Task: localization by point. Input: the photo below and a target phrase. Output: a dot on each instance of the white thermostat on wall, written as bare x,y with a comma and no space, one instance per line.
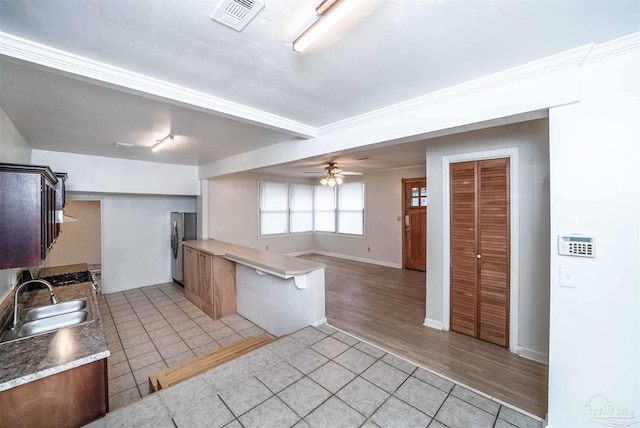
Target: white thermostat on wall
576,245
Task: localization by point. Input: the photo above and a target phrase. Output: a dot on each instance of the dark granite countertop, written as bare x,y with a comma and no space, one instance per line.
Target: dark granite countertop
35,357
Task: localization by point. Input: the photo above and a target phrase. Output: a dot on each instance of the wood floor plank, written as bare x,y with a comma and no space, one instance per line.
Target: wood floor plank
386,306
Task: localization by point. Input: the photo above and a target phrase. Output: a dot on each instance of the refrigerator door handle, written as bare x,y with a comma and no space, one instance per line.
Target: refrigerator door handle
174,240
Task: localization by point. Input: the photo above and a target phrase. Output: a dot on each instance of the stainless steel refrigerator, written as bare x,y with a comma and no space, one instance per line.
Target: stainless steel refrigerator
183,228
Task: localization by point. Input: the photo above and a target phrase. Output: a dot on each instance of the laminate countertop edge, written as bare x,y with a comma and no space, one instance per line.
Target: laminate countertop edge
284,265
53,370
32,358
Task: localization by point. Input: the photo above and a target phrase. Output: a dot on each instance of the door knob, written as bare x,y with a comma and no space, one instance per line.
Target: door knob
479,256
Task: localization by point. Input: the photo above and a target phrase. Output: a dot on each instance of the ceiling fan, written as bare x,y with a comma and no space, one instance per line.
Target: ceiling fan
333,175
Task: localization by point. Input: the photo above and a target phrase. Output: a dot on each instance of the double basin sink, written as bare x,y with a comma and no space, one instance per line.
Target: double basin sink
45,319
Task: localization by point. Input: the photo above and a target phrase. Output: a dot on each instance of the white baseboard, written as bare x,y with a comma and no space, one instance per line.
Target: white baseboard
300,253
319,322
433,323
358,259
533,355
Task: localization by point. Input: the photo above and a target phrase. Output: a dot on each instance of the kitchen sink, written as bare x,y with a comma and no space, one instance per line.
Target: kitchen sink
53,310
45,325
46,319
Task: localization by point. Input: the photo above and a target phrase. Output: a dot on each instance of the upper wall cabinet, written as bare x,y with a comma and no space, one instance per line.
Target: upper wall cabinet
29,198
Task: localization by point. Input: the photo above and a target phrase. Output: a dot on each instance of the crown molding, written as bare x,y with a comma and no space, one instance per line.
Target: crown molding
567,59
26,50
571,58
615,47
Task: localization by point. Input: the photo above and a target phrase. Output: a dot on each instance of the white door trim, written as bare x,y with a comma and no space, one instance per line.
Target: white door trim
512,154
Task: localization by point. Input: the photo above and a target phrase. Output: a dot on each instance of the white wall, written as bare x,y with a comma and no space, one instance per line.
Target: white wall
109,175
13,149
233,217
78,242
383,231
136,199
595,190
531,139
136,248
233,214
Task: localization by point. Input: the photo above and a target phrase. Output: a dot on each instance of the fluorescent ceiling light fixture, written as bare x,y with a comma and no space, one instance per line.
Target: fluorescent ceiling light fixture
162,143
329,16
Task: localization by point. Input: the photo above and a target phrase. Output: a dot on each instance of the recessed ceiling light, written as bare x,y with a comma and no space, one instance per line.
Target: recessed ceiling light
121,145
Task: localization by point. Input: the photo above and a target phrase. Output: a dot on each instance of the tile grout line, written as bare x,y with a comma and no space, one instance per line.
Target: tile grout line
380,358
154,293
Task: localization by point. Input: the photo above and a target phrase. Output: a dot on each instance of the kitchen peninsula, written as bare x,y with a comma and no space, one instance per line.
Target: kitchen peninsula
279,293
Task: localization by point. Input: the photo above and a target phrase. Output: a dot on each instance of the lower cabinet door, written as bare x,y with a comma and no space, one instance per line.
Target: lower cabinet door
71,398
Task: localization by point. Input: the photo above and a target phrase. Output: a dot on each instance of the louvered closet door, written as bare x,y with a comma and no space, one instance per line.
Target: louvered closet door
480,249
464,269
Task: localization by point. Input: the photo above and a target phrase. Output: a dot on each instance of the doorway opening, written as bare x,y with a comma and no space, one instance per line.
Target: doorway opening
80,241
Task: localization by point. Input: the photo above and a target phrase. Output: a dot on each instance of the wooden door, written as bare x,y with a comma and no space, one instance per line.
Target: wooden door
480,224
414,221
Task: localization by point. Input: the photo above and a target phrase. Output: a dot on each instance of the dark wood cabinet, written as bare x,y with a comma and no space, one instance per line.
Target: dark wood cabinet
29,198
71,398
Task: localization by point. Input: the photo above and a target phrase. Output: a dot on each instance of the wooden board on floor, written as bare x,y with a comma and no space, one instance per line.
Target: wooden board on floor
188,369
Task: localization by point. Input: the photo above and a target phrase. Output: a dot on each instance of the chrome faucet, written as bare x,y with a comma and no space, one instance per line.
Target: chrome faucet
53,298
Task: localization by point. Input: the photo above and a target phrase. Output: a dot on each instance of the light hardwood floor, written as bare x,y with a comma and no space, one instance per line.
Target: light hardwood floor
386,306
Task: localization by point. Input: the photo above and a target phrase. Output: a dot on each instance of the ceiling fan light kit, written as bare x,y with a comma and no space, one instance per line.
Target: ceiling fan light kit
331,12
333,176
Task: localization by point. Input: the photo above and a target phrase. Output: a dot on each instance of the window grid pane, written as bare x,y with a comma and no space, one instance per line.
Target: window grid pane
273,223
351,222
301,221
325,221
274,196
301,197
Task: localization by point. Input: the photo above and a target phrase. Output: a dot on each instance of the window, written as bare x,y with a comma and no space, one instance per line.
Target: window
301,219
325,209
296,208
418,197
274,208
351,209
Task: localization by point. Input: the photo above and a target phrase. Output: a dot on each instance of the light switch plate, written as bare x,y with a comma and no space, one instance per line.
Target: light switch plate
568,276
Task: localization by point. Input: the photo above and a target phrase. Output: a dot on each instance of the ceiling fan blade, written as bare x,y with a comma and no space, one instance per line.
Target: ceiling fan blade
350,173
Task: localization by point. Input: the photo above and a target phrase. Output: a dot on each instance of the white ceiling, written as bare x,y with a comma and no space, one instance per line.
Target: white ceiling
389,52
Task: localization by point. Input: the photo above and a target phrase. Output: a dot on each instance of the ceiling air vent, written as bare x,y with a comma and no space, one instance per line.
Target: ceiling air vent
121,145
237,13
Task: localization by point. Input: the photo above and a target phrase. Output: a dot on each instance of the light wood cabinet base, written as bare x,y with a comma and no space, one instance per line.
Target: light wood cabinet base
210,283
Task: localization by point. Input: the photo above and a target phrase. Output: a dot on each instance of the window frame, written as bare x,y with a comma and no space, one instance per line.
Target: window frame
336,211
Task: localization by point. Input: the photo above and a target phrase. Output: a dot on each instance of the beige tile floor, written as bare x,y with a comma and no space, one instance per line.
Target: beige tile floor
315,377
151,328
